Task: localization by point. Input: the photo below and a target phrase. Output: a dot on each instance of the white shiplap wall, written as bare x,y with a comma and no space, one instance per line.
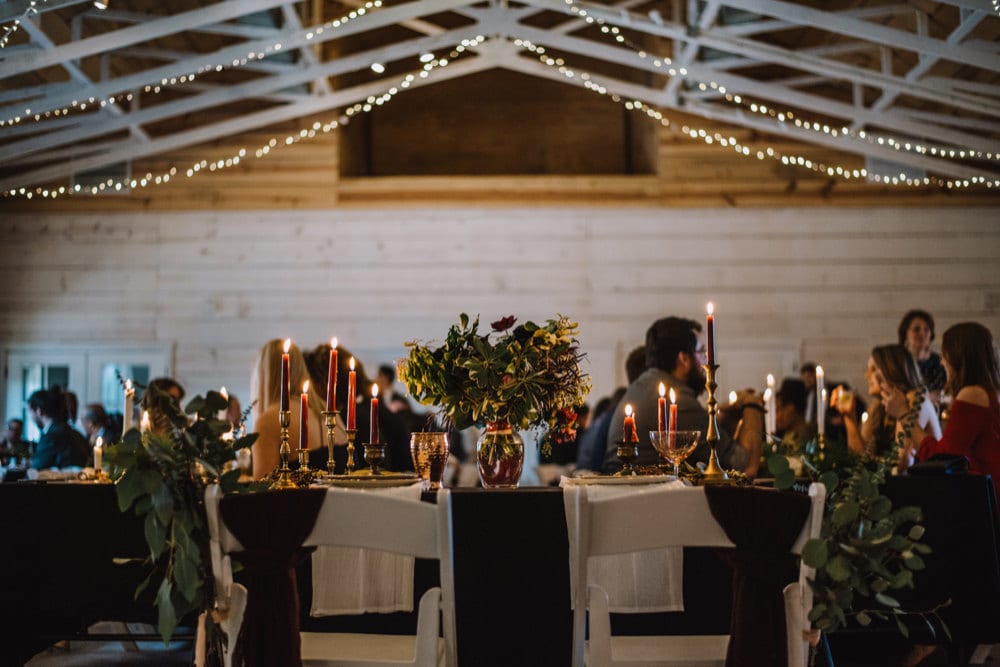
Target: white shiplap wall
789,285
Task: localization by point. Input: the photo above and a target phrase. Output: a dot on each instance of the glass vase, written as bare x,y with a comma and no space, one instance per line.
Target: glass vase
500,456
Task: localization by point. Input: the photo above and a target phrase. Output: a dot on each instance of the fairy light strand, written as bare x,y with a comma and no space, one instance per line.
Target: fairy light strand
429,64
156,87
15,25
274,143
901,144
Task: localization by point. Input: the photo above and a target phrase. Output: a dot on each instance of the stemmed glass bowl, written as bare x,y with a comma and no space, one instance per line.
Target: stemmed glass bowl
675,446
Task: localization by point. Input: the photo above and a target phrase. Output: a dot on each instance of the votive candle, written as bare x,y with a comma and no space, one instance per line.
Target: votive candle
352,407
331,378
374,415
629,432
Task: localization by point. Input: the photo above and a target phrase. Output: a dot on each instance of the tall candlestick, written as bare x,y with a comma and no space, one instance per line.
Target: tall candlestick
629,433
98,456
352,406
772,415
304,418
673,411
820,403
331,378
661,411
710,309
285,380
374,415
127,410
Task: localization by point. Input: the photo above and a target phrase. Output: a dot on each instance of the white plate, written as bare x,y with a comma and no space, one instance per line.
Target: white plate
611,479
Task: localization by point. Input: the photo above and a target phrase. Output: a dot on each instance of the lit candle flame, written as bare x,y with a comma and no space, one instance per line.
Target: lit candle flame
144,422
305,387
864,417
128,386
99,443
819,372
225,394
767,394
351,363
628,409
709,308
334,342
732,397
374,391
663,390
770,380
673,396
288,345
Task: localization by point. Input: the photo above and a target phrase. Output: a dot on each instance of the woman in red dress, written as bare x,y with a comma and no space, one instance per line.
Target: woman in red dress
973,428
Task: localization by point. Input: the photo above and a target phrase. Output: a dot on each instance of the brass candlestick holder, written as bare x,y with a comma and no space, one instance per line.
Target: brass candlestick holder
352,434
713,474
627,452
330,420
284,480
374,455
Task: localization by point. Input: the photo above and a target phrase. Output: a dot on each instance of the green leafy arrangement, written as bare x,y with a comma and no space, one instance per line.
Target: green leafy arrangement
528,376
162,477
867,548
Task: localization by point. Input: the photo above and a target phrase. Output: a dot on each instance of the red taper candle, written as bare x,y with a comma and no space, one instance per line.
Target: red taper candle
374,414
285,387
710,309
331,378
352,404
661,412
304,418
629,434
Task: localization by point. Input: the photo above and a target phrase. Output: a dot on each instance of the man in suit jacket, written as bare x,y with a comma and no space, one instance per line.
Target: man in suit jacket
60,445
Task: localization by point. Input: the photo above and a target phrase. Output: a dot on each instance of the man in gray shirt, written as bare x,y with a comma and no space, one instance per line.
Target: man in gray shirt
675,354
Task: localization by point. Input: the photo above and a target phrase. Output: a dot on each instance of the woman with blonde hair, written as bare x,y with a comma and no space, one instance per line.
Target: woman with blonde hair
265,390
894,380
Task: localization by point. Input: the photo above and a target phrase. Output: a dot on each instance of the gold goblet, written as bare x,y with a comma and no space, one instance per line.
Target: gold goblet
430,454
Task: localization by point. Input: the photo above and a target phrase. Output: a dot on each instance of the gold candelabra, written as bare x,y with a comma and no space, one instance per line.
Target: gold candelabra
284,480
352,434
330,420
713,474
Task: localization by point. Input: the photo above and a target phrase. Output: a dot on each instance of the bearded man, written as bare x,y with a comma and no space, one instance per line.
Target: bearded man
675,354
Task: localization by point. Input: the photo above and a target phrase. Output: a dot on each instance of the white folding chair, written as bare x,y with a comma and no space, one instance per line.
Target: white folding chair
387,523
626,524
231,598
798,595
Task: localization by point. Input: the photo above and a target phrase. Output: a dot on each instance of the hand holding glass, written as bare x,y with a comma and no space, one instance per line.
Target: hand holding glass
675,446
430,454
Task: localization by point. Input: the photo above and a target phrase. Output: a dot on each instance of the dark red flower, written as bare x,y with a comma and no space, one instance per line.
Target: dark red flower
503,323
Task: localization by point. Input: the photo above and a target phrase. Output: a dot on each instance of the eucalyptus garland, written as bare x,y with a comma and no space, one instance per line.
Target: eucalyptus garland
162,477
867,549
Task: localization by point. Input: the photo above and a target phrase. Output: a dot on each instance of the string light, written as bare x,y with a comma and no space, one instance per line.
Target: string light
589,82
11,28
370,104
157,87
900,144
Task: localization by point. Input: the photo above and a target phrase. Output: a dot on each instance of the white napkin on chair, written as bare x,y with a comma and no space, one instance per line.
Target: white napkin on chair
648,581
349,581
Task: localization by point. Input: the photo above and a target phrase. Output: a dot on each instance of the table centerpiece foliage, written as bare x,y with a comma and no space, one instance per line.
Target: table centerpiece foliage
528,376
162,476
867,548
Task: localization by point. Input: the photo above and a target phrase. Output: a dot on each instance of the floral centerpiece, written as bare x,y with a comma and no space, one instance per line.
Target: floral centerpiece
507,379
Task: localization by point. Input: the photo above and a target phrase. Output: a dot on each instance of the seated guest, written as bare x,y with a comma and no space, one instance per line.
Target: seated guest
790,414
14,446
59,445
916,333
97,424
265,389
892,373
675,354
162,400
973,428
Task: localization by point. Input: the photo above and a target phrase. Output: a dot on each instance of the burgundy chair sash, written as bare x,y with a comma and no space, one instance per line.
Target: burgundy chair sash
271,526
763,524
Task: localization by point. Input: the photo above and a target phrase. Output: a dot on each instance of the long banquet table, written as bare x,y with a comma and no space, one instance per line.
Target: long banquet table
511,571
